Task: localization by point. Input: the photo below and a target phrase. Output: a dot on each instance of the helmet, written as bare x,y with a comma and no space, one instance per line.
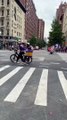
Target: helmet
19,41
28,43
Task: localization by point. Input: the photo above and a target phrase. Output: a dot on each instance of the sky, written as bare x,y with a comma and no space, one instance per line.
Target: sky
46,10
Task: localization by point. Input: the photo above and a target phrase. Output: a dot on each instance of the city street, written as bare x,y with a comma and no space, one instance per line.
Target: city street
41,59
33,92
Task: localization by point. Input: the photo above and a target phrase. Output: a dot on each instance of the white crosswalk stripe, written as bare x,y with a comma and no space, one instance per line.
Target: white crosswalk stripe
63,82
9,75
41,97
12,97
3,68
41,94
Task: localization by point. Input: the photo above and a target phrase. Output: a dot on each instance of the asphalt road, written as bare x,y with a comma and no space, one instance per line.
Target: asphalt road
41,59
35,92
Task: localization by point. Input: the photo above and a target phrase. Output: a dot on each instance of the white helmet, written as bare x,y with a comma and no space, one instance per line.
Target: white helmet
28,43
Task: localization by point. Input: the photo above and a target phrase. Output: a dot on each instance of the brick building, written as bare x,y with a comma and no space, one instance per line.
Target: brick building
64,29
31,20
22,2
40,29
60,12
33,26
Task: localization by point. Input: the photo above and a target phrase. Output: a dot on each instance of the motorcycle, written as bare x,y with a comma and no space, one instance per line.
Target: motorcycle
26,58
51,50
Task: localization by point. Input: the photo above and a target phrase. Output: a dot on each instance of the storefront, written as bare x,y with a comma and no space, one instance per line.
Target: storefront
6,42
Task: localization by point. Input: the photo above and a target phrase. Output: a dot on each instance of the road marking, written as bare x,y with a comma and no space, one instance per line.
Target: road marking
4,59
43,66
38,58
14,94
54,63
9,75
44,63
3,68
41,97
49,63
63,68
63,56
41,58
63,82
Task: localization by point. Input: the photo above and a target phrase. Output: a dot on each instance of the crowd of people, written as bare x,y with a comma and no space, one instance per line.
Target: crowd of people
57,48
61,49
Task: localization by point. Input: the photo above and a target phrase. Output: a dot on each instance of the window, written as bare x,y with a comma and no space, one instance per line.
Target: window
7,24
12,13
8,32
7,2
7,12
12,32
2,2
2,31
2,12
15,13
12,23
2,22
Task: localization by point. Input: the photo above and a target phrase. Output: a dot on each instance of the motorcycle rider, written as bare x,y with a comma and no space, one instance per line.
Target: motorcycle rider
52,49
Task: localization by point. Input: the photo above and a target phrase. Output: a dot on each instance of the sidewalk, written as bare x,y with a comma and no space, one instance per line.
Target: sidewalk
3,50
6,51
63,56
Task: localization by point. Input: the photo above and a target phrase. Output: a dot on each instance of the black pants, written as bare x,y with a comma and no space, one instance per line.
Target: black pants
20,56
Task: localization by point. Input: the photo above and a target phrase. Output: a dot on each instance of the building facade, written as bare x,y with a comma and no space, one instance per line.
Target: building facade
41,25
30,20
12,20
32,23
60,12
23,2
65,26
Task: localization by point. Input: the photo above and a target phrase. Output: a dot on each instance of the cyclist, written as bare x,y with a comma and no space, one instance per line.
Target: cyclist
22,50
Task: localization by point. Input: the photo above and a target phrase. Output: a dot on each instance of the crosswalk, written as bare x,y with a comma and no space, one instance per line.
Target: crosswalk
15,79
41,98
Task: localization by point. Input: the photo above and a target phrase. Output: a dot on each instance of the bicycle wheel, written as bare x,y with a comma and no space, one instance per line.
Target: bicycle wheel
13,58
28,60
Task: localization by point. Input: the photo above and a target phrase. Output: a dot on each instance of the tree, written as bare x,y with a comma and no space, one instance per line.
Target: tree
41,43
55,35
32,41
37,42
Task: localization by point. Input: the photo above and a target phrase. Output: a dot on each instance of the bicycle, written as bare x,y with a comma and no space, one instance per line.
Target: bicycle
26,58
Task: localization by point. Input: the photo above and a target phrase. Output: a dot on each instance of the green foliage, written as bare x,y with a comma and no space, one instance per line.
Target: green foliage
32,41
41,43
56,35
37,42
